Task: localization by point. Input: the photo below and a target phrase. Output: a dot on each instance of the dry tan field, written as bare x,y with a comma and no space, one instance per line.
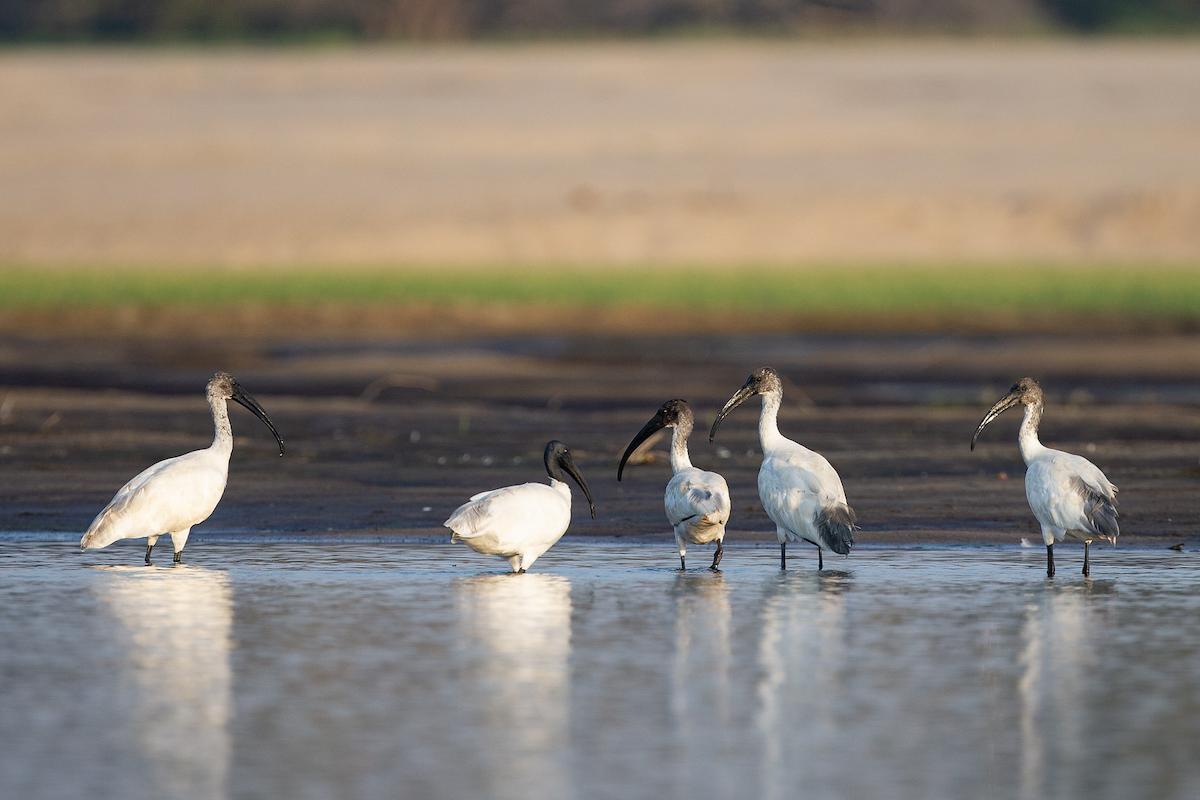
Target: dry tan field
720,151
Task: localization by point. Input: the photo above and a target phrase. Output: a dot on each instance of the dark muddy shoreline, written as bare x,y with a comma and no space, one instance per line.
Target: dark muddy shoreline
386,437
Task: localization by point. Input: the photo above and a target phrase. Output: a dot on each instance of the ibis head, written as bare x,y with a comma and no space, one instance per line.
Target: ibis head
224,386
558,459
673,414
1026,391
762,381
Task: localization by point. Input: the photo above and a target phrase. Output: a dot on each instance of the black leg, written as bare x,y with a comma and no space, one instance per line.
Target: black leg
820,559
717,555
521,571
682,567
1049,561
1086,545
149,547
179,557
783,555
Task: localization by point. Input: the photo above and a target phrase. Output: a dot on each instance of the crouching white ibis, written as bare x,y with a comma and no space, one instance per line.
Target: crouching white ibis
800,491
519,523
1068,493
697,502
173,495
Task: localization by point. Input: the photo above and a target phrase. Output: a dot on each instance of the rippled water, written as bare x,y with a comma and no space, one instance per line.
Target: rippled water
318,671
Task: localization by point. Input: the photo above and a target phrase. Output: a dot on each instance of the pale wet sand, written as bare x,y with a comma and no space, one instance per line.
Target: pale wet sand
444,419
713,151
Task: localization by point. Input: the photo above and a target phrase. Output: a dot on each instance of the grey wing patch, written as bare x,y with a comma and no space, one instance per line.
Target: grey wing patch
835,527
1099,509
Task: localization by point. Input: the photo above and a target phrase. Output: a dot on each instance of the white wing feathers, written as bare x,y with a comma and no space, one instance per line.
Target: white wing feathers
172,495
697,505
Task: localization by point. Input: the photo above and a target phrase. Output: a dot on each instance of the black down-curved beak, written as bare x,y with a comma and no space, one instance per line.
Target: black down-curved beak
1008,401
568,464
240,397
649,429
743,394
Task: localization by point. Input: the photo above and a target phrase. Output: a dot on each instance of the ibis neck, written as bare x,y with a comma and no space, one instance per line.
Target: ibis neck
223,440
768,422
1031,446
680,460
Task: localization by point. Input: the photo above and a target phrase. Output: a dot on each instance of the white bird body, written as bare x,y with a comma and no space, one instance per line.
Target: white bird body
1067,493
176,493
799,489
169,497
696,501
795,484
1062,489
519,523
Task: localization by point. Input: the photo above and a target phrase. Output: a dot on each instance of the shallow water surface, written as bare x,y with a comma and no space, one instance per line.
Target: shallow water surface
326,670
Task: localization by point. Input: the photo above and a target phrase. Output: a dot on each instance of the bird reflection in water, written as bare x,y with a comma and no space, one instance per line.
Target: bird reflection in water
177,672
700,682
1057,655
801,658
522,625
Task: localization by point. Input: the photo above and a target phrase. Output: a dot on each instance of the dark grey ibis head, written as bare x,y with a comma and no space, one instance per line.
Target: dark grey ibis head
226,387
673,414
762,381
558,460
1026,392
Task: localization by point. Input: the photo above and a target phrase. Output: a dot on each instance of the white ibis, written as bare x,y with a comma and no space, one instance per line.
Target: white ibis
519,523
800,491
1068,493
697,502
173,495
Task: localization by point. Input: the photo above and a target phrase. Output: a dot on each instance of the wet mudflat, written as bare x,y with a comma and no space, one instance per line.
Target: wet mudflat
293,669
386,437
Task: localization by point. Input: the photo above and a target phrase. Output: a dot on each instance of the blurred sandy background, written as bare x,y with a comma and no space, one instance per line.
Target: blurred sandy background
720,151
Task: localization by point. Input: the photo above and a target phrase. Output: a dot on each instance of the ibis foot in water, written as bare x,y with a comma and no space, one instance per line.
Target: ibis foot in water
521,571
1086,545
783,555
1049,561
820,559
717,556
682,566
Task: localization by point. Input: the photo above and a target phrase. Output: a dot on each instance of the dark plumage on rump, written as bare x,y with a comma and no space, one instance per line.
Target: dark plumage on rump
835,526
1100,510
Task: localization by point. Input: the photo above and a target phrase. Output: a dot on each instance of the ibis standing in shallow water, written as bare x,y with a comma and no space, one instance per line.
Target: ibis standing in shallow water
173,495
800,491
697,502
519,523
1068,493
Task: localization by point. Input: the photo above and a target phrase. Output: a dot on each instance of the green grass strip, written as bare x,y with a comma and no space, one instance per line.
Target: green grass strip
1168,292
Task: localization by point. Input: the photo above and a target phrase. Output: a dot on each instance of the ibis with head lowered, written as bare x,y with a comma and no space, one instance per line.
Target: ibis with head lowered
696,501
519,523
1068,493
800,491
173,495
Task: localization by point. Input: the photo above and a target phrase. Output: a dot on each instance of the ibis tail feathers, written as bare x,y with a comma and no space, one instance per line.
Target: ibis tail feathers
835,527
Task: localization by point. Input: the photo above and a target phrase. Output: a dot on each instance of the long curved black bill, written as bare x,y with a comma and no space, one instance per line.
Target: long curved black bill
1005,403
743,394
649,429
240,397
566,463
